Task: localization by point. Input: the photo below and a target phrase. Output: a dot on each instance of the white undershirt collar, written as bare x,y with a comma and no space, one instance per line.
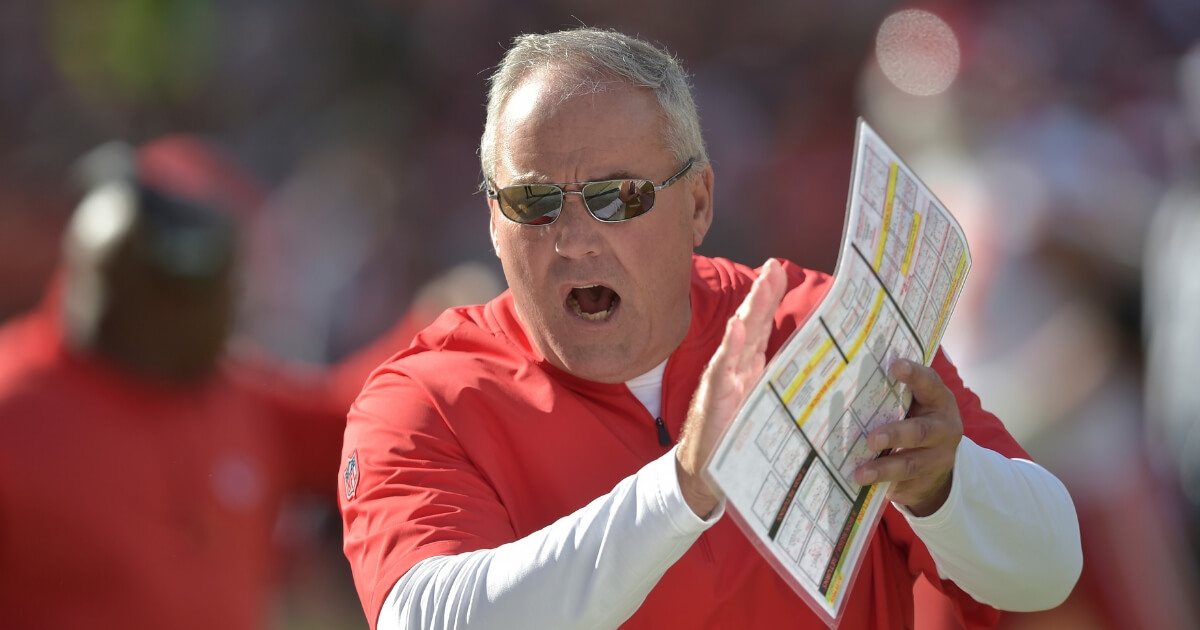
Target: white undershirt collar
648,388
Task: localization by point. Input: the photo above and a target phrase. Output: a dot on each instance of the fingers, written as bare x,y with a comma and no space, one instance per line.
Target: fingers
760,304
742,353
906,465
732,352
749,329
922,446
926,386
915,432
757,311
933,417
920,477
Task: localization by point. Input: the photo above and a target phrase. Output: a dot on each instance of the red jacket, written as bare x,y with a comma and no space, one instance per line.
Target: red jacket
469,440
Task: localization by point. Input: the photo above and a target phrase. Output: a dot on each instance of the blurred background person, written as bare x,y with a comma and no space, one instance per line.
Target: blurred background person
1172,322
143,467
140,477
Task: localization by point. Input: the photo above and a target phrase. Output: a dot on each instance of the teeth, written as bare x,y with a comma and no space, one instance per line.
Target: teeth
595,317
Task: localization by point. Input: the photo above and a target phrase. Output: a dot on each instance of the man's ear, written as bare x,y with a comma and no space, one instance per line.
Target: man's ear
492,227
702,210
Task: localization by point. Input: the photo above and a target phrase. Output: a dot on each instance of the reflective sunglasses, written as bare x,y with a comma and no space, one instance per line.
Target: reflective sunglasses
610,201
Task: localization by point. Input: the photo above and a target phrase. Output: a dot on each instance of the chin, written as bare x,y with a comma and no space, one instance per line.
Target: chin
604,364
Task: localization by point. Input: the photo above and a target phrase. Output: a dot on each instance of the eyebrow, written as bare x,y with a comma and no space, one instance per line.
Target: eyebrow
522,180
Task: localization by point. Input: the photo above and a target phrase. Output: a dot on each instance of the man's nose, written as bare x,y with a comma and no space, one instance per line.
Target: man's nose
578,233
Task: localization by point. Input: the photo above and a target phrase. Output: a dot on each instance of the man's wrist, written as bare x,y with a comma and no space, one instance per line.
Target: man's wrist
934,502
696,493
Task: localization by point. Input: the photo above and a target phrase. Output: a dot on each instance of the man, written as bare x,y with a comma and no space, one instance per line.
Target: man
139,478
143,465
536,462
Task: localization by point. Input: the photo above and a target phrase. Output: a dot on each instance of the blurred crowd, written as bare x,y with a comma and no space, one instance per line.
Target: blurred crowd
1059,133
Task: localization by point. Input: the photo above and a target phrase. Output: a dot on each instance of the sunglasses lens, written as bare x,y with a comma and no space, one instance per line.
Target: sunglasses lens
609,201
619,200
532,204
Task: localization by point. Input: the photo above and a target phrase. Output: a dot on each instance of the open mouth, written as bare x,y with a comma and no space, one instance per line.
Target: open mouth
593,302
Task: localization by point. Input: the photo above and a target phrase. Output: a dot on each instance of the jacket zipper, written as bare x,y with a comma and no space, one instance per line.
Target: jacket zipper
664,438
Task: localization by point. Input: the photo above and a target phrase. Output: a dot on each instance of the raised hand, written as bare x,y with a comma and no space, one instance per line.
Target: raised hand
734,368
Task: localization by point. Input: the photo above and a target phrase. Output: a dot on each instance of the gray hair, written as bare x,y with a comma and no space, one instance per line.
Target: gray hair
594,57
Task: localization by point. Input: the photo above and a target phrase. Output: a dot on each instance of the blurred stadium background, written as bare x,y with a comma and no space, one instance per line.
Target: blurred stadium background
1053,130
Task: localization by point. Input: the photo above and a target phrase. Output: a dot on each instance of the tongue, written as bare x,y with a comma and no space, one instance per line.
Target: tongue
594,300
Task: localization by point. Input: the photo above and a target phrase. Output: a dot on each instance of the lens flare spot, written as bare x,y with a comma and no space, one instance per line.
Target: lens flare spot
917,52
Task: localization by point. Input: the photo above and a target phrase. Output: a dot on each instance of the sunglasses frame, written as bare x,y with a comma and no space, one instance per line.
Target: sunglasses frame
494,193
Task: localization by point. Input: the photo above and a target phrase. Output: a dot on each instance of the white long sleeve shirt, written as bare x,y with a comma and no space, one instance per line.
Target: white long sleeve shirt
1008,535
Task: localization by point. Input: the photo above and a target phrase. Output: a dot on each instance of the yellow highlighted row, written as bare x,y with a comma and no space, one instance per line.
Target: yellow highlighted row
912,242
887,214
863,333
804,374
959,273
839,571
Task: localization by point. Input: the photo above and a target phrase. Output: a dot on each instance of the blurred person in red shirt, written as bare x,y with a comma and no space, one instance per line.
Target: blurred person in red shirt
143,465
